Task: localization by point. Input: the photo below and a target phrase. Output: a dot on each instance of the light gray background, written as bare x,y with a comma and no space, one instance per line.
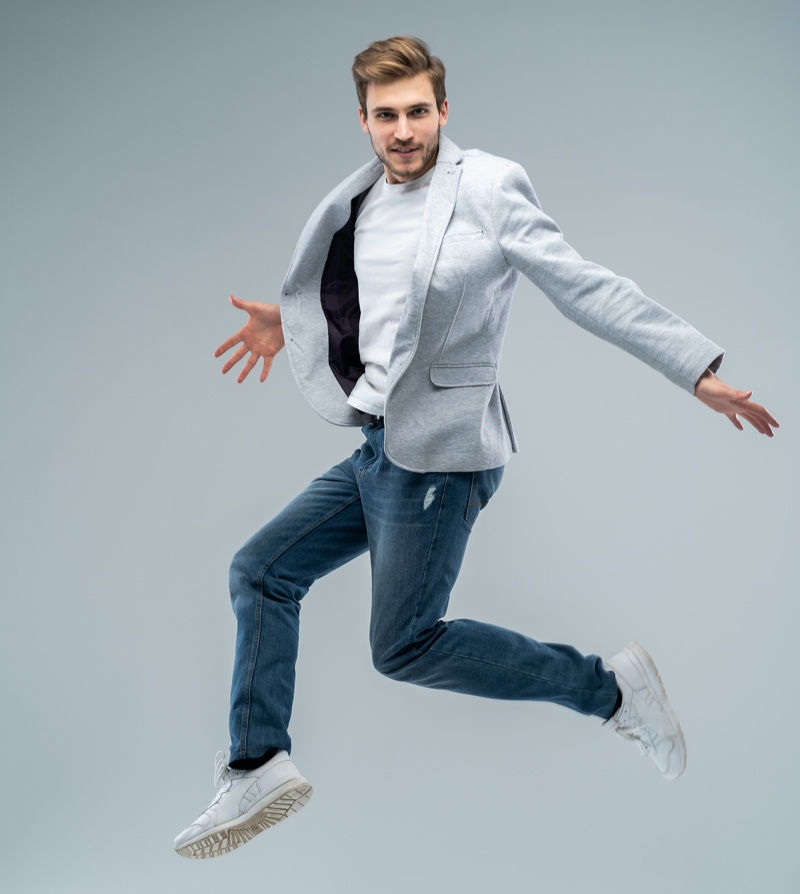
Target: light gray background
158,155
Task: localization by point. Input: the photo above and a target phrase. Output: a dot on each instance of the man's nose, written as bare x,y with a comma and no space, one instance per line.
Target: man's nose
403,130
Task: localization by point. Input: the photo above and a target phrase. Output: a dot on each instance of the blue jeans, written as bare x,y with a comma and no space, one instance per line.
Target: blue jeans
416,528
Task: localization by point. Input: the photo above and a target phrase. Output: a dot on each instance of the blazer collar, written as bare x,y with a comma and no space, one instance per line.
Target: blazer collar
449,153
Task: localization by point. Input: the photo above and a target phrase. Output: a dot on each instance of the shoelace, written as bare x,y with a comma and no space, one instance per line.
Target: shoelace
632,728
221,770
221,778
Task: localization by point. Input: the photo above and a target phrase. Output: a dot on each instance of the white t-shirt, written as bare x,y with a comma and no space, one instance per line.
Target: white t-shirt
386,240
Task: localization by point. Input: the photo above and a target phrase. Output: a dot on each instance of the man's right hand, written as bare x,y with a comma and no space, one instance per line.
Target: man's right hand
261,337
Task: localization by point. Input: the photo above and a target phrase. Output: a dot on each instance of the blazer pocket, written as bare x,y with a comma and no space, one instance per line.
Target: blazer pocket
460,376
463,237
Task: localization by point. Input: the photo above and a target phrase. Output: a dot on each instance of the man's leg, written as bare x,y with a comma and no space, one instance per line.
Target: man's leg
418,528
317,532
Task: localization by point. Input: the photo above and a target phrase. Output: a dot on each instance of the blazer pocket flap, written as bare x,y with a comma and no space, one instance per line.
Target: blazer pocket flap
463,236
458,376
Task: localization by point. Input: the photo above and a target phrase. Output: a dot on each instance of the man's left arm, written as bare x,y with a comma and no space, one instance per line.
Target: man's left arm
612,306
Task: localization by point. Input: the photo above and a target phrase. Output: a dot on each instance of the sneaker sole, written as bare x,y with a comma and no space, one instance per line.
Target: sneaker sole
647,666
236,833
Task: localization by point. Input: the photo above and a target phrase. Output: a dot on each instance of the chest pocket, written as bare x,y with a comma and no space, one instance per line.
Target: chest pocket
463,237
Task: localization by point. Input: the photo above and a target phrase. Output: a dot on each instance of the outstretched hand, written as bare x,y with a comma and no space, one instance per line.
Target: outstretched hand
261,337
714,393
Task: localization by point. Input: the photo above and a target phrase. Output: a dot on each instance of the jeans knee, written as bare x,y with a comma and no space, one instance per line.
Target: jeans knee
249,578
396,662
240,578
385,665
240,567
406,658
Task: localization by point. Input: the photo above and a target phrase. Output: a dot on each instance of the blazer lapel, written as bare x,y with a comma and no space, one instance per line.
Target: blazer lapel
438,211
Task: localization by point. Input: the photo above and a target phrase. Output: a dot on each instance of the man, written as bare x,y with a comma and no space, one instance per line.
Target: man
393,314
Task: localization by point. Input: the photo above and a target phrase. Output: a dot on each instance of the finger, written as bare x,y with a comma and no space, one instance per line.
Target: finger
732,394
761,420
765,416
241,305
266,369
234,359
758,415
759,423
735,420
228,344
251,362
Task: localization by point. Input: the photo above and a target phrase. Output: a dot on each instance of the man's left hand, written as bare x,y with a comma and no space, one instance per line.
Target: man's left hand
714,393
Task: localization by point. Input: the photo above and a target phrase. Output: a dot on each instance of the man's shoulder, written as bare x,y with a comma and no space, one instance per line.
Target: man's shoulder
486,164
451,154
486,157
484,171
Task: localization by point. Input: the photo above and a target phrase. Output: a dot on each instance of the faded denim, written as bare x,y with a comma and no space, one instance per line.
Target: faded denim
416,527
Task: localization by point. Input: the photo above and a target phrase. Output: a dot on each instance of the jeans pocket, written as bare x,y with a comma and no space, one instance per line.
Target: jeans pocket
482,488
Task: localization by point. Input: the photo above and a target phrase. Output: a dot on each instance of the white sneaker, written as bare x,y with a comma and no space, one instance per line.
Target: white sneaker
247,802
645,715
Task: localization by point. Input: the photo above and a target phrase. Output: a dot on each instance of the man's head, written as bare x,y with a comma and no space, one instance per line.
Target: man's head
402,104
395,58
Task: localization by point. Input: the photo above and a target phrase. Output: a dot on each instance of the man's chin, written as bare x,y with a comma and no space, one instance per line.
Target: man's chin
403,175
408,172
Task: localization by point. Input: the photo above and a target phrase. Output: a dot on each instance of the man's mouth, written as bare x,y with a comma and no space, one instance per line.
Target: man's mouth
404,150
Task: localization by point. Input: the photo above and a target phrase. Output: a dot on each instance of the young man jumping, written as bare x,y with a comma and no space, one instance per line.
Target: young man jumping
393,314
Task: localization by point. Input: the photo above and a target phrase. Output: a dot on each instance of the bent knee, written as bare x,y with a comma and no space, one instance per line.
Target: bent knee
397,663
242,570
405,659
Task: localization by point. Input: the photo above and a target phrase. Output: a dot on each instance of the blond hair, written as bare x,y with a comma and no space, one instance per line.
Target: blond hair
397,57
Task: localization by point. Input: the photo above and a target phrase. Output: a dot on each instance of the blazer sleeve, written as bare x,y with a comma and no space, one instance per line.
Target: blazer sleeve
610,306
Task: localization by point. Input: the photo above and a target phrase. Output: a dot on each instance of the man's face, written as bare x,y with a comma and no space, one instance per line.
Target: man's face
403,124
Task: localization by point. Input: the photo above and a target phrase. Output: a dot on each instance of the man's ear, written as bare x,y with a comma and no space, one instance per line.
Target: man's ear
363,119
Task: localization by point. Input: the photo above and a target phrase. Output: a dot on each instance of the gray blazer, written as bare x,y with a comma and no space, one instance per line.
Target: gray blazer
482,227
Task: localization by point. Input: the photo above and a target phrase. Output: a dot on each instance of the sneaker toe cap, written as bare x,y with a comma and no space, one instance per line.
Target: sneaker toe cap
670,757
197,829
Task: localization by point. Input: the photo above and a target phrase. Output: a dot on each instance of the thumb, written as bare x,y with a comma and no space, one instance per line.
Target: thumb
238,303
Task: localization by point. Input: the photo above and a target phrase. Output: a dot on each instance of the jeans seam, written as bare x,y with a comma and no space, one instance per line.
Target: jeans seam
505,668
243,729
471,516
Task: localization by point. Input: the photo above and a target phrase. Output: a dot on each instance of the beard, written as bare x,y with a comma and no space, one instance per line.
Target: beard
406,174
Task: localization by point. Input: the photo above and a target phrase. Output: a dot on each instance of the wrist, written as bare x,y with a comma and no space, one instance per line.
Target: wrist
706,375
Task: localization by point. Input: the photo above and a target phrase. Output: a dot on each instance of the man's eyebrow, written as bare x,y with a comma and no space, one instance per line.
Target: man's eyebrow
413,105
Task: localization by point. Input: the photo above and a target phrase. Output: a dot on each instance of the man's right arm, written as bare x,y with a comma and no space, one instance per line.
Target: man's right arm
261,337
